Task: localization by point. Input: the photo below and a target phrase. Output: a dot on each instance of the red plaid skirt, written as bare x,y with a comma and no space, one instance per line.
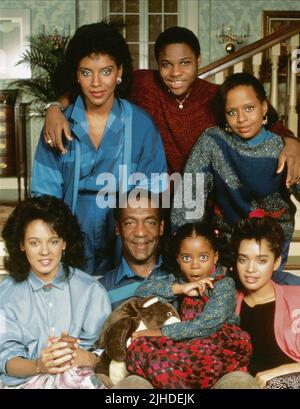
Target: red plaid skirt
197,363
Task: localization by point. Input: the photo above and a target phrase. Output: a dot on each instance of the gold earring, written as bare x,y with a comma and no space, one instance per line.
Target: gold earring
265,120
227,128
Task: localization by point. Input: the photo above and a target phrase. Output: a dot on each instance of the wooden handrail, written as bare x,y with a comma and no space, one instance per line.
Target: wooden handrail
249,50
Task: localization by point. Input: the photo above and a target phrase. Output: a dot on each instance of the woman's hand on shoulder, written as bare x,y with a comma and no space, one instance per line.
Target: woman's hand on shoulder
55,126
290,156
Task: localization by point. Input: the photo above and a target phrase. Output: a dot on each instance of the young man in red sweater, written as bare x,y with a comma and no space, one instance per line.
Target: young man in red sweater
181,104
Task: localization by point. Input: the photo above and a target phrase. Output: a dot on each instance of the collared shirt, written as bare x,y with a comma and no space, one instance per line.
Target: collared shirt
130,144
81,168
261,137
33,310
122,282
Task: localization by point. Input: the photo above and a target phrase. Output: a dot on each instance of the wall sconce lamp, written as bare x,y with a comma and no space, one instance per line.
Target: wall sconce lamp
57,40
229,38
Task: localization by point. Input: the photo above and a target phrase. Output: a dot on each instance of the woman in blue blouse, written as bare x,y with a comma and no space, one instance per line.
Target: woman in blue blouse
51,312
108,132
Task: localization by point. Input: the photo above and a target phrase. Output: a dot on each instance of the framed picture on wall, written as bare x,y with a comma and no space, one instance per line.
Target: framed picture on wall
14,29
275,20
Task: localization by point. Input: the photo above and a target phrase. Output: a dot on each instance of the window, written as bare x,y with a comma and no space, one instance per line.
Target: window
14,27
144,20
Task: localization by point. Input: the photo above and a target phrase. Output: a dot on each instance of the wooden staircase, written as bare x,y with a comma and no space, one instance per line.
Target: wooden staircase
250,58
293,262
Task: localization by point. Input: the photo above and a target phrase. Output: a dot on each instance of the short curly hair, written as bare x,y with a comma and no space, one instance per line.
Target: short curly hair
59,217
103,37
175,35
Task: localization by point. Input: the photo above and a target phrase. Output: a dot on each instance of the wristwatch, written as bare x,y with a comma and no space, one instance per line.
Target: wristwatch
50,104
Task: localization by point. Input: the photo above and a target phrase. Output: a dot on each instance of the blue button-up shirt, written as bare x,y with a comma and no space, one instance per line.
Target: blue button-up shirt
64,175
122,282
131,152
33,310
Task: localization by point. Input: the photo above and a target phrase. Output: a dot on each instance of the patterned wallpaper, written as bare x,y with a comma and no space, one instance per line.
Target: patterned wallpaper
47,13
212,14
235,13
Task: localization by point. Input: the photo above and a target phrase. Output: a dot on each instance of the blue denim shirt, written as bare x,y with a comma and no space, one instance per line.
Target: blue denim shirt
31,311
64,176
122,282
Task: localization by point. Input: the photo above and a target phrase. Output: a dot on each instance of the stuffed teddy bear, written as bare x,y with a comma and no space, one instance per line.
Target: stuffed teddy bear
133,315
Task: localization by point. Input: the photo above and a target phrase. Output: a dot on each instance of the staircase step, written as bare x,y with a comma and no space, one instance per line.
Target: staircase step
294,249
296,236
293,263
294,245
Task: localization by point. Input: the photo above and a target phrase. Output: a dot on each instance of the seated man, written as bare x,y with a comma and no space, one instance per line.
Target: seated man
140,225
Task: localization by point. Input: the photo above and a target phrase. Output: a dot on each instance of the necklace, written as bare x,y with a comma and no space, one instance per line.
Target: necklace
180,103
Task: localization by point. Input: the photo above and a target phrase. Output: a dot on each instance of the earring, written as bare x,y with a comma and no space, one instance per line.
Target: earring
265,120
227,128
119,80
63,254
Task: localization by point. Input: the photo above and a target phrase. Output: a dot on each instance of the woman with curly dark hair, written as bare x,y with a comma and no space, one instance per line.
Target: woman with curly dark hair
269,312
48,306
111,140
53,212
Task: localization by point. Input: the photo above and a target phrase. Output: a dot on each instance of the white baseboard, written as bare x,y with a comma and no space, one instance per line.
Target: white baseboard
10,183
